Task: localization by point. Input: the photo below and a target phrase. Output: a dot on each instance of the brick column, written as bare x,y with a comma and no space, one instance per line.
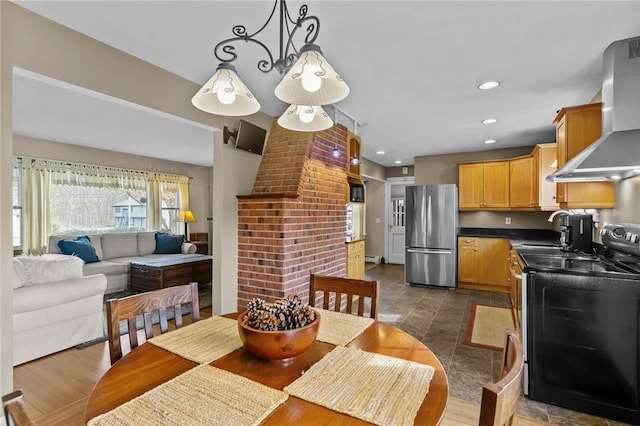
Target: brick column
294,222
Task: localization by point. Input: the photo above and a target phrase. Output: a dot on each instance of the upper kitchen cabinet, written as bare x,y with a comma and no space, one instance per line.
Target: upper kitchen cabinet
528,187
354,144
483,185
576,128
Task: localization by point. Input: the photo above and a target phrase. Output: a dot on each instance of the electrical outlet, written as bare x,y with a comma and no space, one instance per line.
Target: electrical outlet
507,220
378,220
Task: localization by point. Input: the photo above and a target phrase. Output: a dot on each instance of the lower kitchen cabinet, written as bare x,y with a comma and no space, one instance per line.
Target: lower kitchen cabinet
483,264
468,259
355,259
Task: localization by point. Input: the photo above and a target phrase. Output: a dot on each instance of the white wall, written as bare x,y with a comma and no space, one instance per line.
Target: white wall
35,44
234,174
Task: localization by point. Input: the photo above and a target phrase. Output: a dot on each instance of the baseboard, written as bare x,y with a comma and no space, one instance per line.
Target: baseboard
372,259
91,342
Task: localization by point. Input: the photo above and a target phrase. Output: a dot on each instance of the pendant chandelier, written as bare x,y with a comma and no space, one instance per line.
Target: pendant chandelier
309,81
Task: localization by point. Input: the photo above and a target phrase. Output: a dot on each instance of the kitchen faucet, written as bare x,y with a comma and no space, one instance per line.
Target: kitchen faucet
557,212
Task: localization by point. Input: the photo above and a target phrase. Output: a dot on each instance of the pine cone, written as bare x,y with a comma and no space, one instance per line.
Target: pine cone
284,314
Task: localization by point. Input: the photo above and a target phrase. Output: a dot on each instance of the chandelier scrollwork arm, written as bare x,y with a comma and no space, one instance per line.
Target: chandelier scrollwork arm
225,51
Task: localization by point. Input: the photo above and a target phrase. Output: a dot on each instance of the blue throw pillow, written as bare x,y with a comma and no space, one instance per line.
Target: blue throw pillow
80,247
168,243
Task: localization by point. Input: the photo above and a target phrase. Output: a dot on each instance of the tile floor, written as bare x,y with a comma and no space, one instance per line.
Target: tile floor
438,317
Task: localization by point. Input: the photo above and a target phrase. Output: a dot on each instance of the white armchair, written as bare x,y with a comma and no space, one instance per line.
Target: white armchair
54,306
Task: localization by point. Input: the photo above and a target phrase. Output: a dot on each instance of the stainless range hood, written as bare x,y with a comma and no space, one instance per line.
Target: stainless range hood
616,155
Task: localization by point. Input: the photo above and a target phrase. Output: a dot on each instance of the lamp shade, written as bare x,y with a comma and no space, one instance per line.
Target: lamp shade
305,118
311,80
185,216
225,94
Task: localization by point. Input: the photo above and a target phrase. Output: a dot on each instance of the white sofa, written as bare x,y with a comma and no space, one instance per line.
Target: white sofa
55,307
116,252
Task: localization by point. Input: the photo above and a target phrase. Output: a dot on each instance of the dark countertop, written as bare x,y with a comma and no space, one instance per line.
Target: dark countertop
517,237
354,239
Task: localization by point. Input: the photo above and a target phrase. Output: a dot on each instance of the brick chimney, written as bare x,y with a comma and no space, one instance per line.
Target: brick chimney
294,222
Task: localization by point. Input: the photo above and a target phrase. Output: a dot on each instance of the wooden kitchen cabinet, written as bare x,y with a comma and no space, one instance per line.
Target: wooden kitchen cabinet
528,186
483,185
522,184
576,128
355,259
489,268
468,259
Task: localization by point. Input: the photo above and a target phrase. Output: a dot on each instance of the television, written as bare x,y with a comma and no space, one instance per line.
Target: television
250,137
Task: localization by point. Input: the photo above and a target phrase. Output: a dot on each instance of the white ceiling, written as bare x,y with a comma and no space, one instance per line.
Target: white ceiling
413,68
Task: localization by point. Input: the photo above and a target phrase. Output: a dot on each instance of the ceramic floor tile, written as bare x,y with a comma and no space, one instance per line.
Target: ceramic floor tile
438,317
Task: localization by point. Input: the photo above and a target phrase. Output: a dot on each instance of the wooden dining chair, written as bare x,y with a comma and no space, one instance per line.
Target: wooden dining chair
351,289
144,305
499,399
15,412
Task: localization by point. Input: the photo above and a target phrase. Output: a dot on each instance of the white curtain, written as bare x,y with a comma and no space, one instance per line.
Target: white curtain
36,204
87,175
38,173
184,193
154,203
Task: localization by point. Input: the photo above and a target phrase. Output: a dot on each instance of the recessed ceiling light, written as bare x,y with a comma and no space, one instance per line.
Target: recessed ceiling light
398,161
489,85
380,152
616,177
490,141
490,121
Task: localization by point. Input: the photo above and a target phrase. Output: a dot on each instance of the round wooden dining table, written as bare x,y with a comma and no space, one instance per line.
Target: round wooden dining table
149,366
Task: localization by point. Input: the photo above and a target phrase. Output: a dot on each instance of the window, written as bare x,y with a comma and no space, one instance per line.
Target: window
77,209
17,209
81,199
397,204
170,206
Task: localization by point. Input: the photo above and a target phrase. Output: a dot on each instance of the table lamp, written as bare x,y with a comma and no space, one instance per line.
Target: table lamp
187,217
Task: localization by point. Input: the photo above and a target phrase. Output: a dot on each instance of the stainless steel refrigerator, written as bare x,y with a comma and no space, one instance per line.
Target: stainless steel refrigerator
430,235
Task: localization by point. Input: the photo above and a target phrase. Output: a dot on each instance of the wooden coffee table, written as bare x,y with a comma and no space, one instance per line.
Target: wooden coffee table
154,274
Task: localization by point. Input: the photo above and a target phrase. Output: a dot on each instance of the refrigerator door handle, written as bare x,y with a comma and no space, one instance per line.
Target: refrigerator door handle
429,251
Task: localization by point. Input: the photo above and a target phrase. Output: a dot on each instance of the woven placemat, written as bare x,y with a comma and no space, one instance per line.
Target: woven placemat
339,329
204,395
203,341
376,388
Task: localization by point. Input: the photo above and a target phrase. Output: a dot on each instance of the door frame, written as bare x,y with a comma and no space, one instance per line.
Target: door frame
392,181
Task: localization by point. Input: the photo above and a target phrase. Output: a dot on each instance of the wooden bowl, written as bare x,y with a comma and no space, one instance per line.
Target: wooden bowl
278,345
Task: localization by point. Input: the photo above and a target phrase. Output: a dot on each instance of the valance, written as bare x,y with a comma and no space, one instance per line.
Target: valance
65,173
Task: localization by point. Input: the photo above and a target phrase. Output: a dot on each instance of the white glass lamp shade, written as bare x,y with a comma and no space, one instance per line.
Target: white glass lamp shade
304,118
311,80
225,94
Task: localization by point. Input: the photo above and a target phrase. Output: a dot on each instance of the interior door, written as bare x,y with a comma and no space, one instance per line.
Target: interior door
396,228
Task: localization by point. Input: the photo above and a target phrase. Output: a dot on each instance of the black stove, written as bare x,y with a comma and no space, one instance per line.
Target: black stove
622,245
581,328
619,256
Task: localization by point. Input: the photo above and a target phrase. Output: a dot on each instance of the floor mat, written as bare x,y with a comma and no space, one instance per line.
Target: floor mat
487,325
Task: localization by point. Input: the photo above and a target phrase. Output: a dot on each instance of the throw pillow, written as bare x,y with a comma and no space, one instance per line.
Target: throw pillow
168,243
80,247
51,268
